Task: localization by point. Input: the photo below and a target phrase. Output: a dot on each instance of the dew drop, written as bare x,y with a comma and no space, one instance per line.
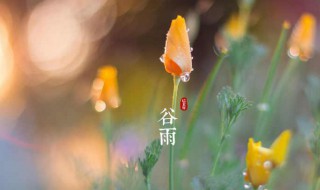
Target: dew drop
191,49
261,187
247,186
188,29
293,52
267,165
100,106
263,106
162,58
244,173
185,77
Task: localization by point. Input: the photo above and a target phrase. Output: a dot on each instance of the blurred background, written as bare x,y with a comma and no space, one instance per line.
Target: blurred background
50,51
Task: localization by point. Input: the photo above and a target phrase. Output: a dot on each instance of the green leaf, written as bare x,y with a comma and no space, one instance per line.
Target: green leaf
231,105
151,153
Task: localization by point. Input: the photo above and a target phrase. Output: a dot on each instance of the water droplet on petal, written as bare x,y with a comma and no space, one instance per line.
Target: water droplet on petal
162,58
247,186
185,77
191,49
263,106
244,173
188,29
100,106
293,52
261,187
267,165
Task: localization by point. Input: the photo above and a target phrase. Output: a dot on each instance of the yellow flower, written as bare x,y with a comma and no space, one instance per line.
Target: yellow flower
236,26
261,161
234,30
177,54
105,89
301,43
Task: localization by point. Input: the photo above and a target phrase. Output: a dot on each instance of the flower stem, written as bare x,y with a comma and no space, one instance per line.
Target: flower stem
271,74
288,73
107,133
148,184
274,63
176,81
205,90
224,132
216,159
316,177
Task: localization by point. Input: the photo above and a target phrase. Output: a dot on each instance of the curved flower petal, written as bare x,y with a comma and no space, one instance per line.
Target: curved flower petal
280,147
301,43
260,161
257,156
177,54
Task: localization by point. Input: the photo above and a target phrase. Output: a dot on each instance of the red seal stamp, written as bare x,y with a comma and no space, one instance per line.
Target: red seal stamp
184,104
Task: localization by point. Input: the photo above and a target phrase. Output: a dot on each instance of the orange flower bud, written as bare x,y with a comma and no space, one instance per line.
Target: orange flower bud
177,54
105,89
301,43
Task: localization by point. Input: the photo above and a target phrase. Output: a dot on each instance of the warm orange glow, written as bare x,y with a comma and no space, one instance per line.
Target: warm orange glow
6,58
96,17
61,37
105,89
177,56
75,161
301,43
55,40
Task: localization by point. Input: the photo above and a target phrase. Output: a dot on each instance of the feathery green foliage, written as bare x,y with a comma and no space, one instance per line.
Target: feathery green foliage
152,153
231,105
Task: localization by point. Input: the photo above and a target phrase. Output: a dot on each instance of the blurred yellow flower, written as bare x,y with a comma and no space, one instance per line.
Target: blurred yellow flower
301,43
177,54
261,161
236,26
234,30
105,89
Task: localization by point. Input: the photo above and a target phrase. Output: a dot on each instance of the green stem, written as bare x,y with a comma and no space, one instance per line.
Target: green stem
236,79
205,90
148,184
316,177
217,159
176,81
291,68
274,63
107,133
224,130
271,75
107,125
288,73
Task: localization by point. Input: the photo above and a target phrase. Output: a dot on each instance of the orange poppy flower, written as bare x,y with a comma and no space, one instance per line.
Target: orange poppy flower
177,54
105,89
301,43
